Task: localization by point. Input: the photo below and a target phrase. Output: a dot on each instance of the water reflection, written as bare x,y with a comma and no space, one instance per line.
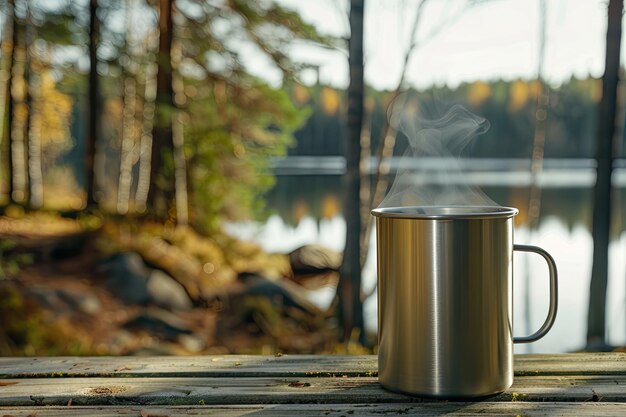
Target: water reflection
319,197
307,209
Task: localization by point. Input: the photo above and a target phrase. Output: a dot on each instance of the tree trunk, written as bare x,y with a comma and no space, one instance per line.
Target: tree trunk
128,141
19,116
128,126
596,336
178,140
8,48
33,137
145,144
349,289
536,164
35,171
28,106
93,105
388,140
161,192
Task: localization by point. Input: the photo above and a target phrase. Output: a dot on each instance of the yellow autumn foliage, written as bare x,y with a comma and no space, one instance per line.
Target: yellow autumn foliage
113,111
301,94
330,101
56,112
519,94
596,90
478,92
331,206
300,210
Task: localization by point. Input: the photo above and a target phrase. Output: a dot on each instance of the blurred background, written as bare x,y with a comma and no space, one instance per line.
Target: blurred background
173,172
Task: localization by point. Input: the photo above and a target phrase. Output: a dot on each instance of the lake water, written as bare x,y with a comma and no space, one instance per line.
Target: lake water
306,202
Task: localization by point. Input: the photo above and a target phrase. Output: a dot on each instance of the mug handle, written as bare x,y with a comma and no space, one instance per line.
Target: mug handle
545,327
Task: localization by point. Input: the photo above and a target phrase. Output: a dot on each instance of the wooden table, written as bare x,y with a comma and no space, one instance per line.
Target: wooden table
235,385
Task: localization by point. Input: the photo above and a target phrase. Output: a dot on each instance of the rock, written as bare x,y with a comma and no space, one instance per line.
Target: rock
120,341
192,343
280,292
160,323
61,298
152,350
134,282
48,298
314,259
166,292
83,301
128,276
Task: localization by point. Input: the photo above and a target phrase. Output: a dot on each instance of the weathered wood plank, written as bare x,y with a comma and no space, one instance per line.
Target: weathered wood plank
276,390
612,363
286,365
482,409
228,365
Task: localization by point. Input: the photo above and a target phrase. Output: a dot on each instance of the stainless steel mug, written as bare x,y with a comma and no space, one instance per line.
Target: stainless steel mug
445,299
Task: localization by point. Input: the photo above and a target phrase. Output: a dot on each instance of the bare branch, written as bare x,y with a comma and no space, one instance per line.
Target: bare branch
388,137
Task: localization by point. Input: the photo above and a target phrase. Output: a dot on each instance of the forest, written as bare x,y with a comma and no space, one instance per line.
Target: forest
131,132
508,105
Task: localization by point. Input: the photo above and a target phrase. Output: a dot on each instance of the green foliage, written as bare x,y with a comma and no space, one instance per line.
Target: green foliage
15,326
237,121
234,131
272,27
24,331
10,263
56,27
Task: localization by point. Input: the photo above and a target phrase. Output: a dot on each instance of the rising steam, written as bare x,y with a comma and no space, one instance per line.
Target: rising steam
430,171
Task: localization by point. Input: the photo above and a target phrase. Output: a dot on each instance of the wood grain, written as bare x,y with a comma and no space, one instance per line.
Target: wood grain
482,409
285,365
278,390
584,384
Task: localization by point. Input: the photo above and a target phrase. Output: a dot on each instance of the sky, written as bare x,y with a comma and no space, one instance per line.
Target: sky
457,41
489,40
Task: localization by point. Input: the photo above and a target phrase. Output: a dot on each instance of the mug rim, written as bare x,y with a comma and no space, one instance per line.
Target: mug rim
447,212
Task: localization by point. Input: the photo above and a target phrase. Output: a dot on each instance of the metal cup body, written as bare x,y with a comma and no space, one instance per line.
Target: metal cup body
444,302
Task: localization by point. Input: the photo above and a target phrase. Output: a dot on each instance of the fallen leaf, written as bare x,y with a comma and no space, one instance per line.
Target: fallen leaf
4,384
299,384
